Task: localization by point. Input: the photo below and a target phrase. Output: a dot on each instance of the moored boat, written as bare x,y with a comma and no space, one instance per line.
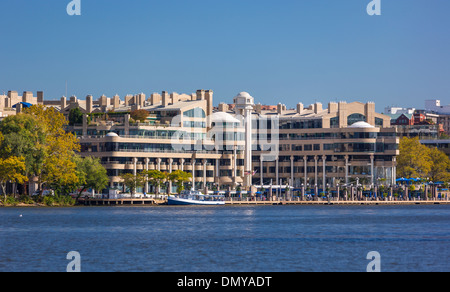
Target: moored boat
193,197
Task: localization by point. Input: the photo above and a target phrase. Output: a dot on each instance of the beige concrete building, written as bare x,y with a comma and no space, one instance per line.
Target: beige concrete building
346,143
237,146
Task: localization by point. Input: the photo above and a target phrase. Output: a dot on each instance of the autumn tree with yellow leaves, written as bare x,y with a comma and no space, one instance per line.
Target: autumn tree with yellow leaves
12,169
38,136
419,161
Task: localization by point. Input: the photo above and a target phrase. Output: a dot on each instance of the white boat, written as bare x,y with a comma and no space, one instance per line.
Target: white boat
193,197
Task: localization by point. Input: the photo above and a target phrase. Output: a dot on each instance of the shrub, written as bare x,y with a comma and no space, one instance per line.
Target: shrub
10,201
48,201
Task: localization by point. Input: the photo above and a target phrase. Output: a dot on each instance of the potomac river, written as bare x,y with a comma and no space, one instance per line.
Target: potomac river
246,238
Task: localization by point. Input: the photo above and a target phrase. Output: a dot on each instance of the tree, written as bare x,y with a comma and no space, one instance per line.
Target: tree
75,116
132,182
414,160
155,177
91,174
60,174
57,167
12,169
139,115
23,136
179,178
440,166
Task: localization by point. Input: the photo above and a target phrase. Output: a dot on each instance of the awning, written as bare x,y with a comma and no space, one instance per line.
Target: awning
24,104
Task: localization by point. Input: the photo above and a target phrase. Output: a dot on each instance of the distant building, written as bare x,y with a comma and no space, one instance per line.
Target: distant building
391,110
434,105
402,119
444,120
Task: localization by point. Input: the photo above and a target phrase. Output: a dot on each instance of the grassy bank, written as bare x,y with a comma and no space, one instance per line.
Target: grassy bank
46,201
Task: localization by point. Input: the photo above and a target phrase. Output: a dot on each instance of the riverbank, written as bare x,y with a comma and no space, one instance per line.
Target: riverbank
160,202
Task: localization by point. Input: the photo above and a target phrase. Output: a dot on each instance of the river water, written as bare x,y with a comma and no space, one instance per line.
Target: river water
226,239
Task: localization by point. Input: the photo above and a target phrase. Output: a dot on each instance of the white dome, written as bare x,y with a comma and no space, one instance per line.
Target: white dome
223,117
244,94
112,134
361,125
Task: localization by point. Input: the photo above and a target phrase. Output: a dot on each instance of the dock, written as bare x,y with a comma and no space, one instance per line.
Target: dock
122,202
325,202
230,202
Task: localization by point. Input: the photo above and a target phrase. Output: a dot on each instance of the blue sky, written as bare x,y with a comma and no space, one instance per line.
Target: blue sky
278,51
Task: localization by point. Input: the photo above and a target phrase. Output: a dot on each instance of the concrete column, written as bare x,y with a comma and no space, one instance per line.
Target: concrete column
170,171
216,174
324,182
292,171
135,166
146,180
315,170
346,169
261,163
235,162
305,161
204,176
276,171
372,175
193,173
394,171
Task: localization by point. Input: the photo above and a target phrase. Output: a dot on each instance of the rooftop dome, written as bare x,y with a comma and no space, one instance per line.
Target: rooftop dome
244,94
112,134
361,125
224,118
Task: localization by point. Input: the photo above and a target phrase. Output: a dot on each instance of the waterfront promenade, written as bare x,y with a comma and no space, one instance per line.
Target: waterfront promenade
324,202
237,201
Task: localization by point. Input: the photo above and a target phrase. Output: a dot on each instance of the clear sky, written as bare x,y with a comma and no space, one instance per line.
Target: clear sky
278,51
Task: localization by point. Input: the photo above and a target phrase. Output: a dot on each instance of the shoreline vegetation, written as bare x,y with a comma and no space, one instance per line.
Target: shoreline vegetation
45,201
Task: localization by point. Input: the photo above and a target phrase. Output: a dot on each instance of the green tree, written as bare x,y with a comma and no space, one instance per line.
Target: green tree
75,116
91,174
414,159
440,166
132,182
179,178
156,178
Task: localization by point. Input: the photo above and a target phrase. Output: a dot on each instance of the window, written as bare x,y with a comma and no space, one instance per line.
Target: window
334,122
378,122
354,118
328,146
195,113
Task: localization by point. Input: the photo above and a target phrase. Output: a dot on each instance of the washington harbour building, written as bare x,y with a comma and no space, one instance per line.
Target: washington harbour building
239,146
